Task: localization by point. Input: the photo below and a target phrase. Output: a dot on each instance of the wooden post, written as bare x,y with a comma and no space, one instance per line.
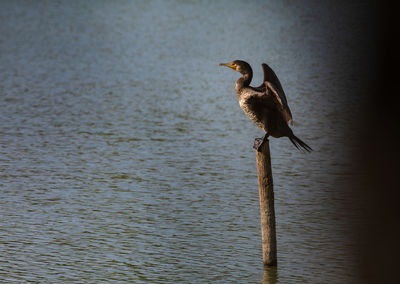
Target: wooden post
267,210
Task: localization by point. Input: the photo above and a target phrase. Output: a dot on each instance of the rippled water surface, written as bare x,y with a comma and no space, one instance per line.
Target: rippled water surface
124,154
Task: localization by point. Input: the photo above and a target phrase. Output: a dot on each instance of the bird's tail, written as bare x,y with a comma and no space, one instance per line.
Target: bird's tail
299,144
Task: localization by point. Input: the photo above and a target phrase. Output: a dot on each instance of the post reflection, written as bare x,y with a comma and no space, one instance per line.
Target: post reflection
270,275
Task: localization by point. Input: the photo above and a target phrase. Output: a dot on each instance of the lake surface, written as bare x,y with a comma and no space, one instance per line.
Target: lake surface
124,156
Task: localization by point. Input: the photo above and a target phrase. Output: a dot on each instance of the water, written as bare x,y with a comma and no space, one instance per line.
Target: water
124,155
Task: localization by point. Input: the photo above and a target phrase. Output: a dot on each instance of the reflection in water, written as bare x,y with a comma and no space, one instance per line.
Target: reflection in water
270,275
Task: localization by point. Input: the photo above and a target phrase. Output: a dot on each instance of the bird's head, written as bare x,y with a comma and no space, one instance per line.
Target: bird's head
239,66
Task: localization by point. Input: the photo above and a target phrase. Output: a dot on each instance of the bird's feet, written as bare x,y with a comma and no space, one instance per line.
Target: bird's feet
258,142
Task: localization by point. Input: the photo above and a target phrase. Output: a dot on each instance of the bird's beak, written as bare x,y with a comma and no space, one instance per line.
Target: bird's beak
230,65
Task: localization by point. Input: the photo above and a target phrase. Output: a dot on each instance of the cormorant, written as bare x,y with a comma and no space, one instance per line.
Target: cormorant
265,105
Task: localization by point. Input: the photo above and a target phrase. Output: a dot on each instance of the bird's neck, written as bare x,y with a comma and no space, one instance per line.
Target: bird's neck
244,81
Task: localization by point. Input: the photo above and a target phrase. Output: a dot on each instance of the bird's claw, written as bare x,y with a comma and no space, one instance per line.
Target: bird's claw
258,142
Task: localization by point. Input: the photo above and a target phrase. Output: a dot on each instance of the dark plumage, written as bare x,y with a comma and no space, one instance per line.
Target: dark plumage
266,105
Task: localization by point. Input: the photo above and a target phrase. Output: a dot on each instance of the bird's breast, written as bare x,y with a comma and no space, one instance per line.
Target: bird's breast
249,110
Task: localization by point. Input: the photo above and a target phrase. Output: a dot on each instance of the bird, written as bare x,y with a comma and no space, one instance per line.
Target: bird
265,105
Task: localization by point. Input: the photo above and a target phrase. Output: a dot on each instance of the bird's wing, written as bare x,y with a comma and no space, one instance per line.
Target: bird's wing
270,76
279,101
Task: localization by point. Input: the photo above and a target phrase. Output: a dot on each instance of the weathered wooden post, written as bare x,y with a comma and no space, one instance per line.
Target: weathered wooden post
267,210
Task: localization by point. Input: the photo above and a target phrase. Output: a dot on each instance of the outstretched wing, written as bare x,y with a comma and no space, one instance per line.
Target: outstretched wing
272,85
279,101
270,76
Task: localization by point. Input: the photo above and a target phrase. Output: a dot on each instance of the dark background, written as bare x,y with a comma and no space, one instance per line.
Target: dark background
379,155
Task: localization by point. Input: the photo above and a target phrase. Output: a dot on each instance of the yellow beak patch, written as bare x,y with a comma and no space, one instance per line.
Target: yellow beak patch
230,65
